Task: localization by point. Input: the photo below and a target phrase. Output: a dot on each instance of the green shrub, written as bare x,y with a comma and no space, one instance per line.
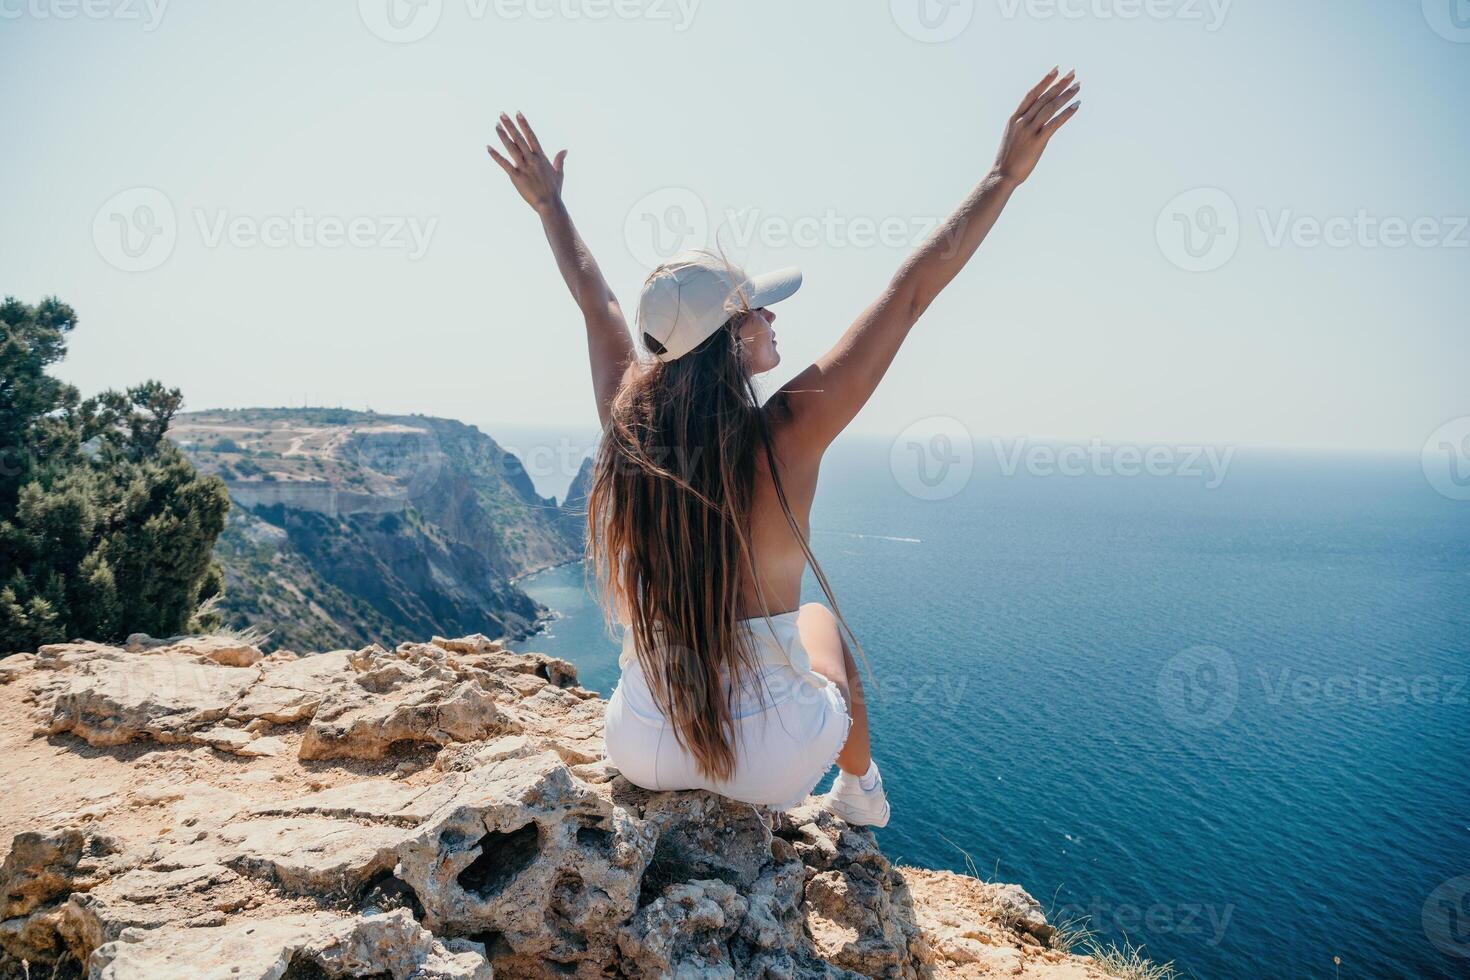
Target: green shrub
105,527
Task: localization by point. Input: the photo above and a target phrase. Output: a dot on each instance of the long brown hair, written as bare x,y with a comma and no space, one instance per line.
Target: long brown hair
668,532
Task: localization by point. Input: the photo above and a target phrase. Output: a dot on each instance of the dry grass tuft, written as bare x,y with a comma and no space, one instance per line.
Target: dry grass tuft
1126,962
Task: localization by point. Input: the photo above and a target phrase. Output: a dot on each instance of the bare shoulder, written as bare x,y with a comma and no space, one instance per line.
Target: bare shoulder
629,373
796,459
797,411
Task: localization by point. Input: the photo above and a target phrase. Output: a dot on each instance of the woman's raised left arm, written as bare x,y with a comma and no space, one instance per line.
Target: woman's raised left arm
820,401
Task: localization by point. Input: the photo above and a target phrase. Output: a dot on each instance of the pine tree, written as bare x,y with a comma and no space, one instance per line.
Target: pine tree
105,527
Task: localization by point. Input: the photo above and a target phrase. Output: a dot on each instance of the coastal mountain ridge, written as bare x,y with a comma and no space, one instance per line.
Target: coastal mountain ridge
348,527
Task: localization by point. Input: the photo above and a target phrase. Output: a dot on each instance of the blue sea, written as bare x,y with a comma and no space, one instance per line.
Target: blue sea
1219,713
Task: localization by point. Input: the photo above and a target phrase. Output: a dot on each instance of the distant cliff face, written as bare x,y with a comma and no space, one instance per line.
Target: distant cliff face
349,527
574,507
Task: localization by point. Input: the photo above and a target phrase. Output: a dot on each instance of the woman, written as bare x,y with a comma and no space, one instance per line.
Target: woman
698,513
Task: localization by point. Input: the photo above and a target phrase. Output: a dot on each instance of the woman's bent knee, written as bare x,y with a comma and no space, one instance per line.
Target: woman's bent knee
822,638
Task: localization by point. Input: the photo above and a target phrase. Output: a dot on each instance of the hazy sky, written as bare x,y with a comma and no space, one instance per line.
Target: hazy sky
269,202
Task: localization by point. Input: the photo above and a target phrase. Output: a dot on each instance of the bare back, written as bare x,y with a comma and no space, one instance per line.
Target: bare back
779,559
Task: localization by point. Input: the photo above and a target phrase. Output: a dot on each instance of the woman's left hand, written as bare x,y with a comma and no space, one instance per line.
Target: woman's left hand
1031,126
536,178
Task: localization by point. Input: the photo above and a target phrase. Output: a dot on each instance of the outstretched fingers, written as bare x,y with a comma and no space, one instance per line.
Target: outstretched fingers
1049,109
529,134
1059,119
1037,112
1030,98
505,164
511,146
515,134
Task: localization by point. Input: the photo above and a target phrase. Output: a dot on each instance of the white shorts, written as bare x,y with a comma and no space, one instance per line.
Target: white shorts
783,747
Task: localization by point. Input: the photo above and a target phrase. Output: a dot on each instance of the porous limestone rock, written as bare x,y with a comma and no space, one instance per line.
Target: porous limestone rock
155,832
686,931
301,855
569,722
390,945
16,665
418,693
527,852
491,655
291,688
38,874
371,801
224,650
395,944
140,898
164,695
242,949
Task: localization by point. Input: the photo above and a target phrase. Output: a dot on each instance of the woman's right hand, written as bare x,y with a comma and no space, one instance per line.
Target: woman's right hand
536,178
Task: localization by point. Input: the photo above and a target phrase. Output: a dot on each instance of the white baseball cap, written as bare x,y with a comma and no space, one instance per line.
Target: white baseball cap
692,295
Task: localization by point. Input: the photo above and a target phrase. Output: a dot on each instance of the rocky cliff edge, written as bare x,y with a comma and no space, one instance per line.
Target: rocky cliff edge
192,809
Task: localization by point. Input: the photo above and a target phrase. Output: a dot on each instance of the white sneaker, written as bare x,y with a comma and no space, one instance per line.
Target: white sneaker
863,807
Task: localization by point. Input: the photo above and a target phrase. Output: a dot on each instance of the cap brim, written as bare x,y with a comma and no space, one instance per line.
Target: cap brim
772,287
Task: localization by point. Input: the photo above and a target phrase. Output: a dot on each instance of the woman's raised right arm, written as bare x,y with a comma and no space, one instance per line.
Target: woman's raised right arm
539,180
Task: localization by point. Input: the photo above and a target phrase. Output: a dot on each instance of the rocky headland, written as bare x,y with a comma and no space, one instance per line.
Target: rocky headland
348,528
194,809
